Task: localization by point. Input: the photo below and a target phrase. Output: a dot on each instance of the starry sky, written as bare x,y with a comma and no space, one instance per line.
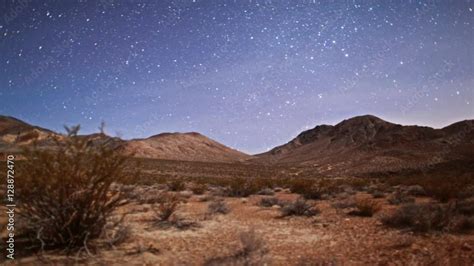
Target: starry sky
250,74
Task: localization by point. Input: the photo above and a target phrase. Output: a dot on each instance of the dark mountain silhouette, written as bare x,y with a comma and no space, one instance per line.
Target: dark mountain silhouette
359,144
368,143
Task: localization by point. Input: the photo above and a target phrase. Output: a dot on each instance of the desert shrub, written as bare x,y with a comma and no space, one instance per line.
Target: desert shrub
64,193
321,188
406,216
242,187
359,183
445,189
377,194
148,199
270,201
298,185
440,187
308,188
218,206
115,233
399,197
166,207
300,207
467,191
466,207
199,188
184,224
176,184
344,203
346,190
367,207
165,213
145,195
266,192
429,217
252,252
460,224
313,192
415,190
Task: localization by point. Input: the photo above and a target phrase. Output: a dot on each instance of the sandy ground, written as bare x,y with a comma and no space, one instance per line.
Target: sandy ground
330,238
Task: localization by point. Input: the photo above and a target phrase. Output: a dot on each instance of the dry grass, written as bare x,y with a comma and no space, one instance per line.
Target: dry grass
443,187
65,195
198,188
270,201
165,213
430,217
466,207
299,207
266,192
243,187
399,197
252,252
308,188
345,203
378,194
316,188
218,206
176,184
166,207
367,207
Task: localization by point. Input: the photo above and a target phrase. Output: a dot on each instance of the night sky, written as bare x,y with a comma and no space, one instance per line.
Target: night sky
249,74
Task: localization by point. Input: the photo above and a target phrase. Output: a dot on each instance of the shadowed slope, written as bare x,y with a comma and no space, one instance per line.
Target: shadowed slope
370,142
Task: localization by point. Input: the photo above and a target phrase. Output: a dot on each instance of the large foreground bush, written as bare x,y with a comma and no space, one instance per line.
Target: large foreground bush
65,195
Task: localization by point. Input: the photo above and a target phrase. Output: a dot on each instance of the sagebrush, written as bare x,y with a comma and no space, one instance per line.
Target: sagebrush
64,193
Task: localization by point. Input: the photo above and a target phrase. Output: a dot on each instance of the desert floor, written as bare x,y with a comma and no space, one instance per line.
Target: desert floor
250,234
332,237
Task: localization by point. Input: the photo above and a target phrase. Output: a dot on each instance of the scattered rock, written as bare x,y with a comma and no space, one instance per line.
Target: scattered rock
278,189
186,194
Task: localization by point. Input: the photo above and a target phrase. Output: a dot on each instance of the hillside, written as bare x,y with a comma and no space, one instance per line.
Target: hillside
368,143
15,134
182,146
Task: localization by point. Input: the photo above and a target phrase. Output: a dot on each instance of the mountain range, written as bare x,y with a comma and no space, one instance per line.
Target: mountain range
368,143
359,144
192,146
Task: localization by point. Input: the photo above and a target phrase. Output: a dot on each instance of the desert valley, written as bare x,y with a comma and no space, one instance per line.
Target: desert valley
237,132
363,191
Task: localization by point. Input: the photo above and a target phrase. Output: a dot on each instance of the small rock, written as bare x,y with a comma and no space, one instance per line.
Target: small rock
123,202
276,207
244,200
325,197
186,194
